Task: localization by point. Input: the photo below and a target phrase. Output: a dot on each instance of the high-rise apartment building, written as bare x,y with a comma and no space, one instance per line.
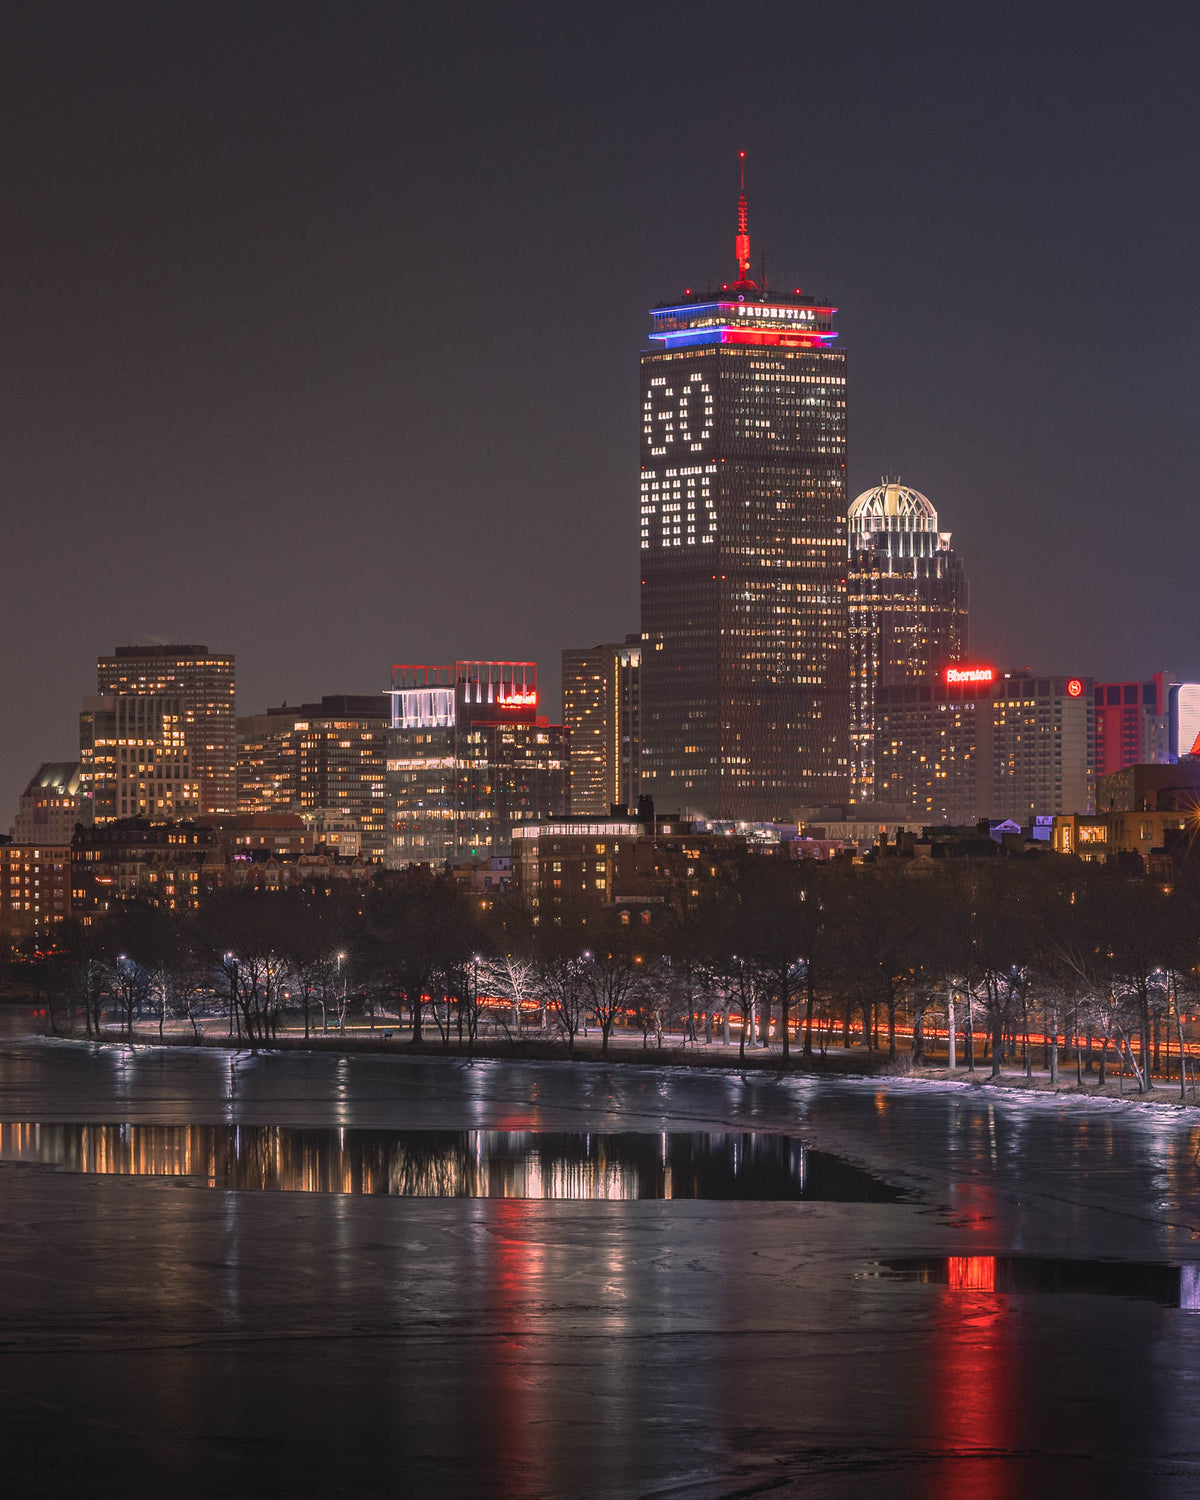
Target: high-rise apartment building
469,758
979,743
135,759
907,608
602,714
745,680
329,756
191,685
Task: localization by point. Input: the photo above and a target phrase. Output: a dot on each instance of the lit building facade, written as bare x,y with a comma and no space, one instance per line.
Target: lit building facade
135,759
978,743
1183,720
201,684
469,759
907,608
50,805
35,887
602,714
330,755
1132,723
745,681
126,859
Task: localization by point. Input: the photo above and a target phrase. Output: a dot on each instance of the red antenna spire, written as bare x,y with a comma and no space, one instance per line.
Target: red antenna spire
742,243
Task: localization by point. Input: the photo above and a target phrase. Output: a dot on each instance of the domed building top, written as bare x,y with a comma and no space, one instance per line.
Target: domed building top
891,506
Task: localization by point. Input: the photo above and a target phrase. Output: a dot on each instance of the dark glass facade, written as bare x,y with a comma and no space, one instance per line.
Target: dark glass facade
745,682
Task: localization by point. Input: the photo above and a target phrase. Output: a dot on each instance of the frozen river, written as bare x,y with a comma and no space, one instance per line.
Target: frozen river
285,1275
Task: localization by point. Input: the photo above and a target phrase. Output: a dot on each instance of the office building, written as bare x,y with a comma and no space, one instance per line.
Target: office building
1132,723
602,714
330,755
50,805
469,758
978,743
907,608
745,677
145,691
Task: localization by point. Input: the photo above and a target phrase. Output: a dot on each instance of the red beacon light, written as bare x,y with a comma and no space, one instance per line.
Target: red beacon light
954,675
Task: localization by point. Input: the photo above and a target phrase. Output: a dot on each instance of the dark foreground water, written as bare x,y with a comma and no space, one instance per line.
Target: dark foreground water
997,1298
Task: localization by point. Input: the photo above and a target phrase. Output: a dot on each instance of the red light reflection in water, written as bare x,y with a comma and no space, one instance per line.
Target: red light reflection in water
974,1393
972,1273
517,1394
974,1375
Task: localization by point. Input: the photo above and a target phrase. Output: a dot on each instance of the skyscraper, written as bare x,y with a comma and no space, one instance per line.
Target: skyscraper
188,687
745,682
602,714
908,608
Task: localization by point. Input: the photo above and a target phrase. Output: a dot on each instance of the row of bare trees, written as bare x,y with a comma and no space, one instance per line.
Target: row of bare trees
1003,956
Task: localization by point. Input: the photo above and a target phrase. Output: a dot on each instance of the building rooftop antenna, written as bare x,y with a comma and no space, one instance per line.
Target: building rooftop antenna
742,243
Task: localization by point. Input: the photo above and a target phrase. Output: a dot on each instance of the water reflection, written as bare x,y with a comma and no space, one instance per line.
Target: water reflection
452,1163
1023,1275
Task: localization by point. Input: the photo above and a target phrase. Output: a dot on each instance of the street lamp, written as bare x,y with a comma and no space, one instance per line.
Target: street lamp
231,962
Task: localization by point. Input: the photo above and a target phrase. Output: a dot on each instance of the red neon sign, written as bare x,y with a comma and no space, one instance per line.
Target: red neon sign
1074,688
969,674
520,698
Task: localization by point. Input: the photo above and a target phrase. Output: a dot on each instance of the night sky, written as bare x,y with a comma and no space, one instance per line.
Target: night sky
319,323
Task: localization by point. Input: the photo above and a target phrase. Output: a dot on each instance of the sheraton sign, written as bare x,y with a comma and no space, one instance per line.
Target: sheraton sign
969,674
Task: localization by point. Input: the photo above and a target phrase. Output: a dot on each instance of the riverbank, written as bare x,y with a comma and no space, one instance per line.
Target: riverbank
627,1050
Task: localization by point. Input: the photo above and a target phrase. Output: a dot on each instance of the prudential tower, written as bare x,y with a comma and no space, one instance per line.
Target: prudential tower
745,667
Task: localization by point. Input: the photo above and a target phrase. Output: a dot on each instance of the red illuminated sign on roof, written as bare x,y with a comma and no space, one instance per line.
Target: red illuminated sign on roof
969,674
1074,688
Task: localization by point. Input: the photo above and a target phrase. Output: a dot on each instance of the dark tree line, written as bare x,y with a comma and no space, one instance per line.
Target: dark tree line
1005,957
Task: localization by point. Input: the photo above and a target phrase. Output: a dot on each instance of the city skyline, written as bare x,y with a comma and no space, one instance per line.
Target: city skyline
213,346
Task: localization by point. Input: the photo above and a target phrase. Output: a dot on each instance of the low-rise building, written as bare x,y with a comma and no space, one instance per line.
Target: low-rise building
35,887
638,861
1147,788
135,859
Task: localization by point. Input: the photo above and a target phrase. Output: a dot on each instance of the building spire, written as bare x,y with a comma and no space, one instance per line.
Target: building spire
742,243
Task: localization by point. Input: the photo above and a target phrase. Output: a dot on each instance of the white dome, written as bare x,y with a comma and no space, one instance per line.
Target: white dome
892,506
